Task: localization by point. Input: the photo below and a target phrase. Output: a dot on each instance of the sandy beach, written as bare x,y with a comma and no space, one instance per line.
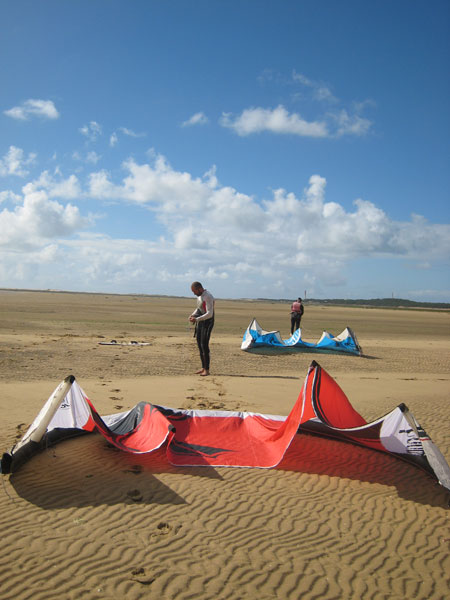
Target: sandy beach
84,521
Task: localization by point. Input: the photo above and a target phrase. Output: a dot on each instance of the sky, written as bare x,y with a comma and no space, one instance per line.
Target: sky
267,148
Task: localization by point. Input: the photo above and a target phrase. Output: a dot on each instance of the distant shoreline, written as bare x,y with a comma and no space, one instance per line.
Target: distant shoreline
393,303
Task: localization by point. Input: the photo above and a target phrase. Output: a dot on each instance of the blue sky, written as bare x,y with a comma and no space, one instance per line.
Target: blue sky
262,147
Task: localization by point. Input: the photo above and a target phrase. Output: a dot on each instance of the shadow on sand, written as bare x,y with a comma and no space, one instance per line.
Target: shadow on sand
87,471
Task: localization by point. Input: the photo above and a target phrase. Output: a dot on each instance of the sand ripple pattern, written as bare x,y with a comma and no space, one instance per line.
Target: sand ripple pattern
83,521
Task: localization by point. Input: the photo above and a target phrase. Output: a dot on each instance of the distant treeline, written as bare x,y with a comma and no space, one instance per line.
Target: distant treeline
374,302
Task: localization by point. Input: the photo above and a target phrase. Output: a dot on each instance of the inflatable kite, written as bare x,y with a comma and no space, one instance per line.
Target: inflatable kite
230,439
258,341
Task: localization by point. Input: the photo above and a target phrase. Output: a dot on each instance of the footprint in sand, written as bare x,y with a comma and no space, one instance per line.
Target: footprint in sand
135,469
217,405
164,527
138,572
19,430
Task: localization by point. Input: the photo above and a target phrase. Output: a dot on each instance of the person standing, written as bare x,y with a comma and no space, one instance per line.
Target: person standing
203,317
296,314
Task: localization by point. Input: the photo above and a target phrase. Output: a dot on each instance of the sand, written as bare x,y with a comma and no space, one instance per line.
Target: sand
84,521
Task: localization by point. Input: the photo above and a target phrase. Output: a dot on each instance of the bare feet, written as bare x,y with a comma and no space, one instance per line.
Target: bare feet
202,372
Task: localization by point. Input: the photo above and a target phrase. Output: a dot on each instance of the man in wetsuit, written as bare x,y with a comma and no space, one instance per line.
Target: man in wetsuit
203,317
296,314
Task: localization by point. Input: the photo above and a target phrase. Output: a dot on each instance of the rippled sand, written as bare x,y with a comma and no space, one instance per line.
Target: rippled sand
83,520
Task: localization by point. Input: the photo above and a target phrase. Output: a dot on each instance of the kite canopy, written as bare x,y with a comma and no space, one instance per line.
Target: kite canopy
258,341
230,439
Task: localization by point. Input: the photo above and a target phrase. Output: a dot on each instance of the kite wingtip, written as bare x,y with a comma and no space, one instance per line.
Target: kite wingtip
5,463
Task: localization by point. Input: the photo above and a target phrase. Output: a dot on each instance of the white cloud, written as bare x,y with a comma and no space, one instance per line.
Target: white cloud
114,138
197,119
277,120
38,219
131,133
33,108
91,131
280,121
92,157
350,124
68,189
336,121
157,185
100,187
200,213
9,196
240,246
320,91
89,158
14,162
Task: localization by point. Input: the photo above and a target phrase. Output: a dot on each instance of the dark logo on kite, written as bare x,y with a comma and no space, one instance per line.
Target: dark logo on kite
413,444
196,450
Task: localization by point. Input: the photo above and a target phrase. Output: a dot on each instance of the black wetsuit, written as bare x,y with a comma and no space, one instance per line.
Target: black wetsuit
203,333
204,325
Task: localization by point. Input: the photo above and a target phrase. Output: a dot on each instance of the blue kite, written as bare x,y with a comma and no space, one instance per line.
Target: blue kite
259,341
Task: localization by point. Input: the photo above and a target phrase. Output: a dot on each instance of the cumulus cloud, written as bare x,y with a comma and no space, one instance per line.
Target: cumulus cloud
209,231
37,218
14,162
157,185
55,187
9,196
197,119
333,119
177,197
277,120
280,121
33,108
278,230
